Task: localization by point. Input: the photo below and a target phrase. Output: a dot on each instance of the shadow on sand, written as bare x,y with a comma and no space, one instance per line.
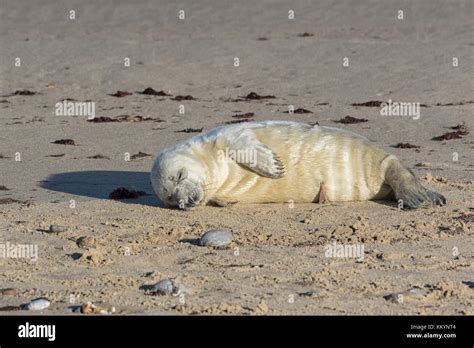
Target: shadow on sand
99,183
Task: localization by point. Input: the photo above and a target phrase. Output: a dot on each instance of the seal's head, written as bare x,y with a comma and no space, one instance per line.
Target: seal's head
176,180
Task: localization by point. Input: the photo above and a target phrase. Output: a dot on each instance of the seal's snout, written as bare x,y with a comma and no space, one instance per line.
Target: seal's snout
188,204
188,195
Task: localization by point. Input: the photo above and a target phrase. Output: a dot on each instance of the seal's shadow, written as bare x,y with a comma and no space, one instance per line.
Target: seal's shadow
99,184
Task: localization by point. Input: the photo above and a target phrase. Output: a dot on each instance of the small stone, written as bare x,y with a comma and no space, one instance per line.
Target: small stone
8,292
262,307
37,304
57,228
423,165
163,287
416,291
216,238
90,308
410,294
168,287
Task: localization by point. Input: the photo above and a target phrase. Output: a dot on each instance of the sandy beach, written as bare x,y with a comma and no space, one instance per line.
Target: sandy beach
330,56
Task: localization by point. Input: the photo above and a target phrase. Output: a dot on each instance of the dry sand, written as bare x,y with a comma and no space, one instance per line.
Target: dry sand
276,264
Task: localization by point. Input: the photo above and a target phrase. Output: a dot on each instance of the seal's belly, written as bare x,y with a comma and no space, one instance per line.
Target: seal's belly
346,165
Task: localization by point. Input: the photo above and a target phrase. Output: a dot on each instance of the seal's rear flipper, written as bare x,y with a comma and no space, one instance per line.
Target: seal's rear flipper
408,190
257,157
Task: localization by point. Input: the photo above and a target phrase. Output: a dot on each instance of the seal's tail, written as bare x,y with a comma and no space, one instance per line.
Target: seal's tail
407,188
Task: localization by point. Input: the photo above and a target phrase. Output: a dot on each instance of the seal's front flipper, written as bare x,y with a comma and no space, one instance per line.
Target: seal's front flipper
257,157
265,162
221,204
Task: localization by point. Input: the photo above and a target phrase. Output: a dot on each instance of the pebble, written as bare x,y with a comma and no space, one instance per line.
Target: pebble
57,228
410,294
38,304
168,287
216,238
90,308
148,274
8,292
423,165
261,308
